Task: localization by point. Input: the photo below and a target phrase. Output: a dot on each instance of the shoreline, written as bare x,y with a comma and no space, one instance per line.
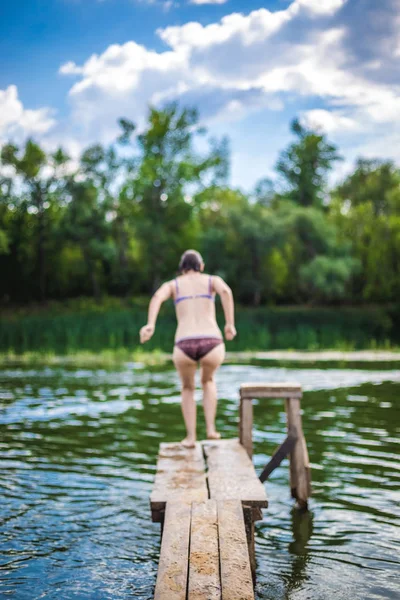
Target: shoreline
318,355
124,358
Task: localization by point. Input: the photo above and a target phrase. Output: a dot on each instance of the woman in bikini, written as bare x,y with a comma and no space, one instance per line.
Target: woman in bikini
198,338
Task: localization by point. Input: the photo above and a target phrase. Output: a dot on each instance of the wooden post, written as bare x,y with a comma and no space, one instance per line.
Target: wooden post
299,462
295,443
248,513
246,425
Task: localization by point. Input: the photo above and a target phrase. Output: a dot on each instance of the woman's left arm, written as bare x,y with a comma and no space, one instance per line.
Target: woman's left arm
160,296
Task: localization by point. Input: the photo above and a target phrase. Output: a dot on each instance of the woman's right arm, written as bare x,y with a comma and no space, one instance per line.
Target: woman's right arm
226,296
160,296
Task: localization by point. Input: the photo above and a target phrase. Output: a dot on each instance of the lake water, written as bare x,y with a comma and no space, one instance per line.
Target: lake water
78,451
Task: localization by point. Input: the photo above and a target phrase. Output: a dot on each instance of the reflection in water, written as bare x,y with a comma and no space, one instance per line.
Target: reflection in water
302,528
78,451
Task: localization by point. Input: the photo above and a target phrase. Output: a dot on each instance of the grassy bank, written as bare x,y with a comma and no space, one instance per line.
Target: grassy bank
116,359
84,327
86,359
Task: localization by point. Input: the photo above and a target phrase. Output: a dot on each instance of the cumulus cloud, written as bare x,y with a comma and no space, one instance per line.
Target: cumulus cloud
242,61
18,122
263,53
311,50
321,7
329,121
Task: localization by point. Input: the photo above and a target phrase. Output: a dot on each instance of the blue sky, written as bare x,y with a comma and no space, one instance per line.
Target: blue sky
70,68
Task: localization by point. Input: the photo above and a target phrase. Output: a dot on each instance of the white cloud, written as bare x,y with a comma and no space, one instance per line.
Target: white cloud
242,63
236,65
17,121
70,68
321,7
329,121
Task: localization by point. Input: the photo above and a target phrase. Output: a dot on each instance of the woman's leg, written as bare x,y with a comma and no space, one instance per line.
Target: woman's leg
186,368
209,364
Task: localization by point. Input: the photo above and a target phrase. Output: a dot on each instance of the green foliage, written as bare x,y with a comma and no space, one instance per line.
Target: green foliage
161,205
116,221
36,194
325,278
375,182
3,242
85,224
305,164
84,326
366,209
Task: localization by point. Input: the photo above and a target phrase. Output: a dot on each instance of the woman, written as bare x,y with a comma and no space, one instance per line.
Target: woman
198,338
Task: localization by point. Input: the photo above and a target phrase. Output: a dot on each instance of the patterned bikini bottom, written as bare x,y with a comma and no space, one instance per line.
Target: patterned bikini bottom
196,348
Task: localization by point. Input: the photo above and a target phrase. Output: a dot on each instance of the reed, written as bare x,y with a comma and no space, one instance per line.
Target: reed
84,327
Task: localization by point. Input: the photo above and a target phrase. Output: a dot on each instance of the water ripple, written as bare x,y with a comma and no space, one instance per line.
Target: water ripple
78,451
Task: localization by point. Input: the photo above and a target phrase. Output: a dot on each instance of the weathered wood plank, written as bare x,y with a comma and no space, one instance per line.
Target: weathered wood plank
231,475
246,425
204,578
279,455
173,565
248,515
180,476
270,390
300,476
236,579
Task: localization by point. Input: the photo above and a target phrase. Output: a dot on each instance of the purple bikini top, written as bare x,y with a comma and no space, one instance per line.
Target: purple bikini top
180,298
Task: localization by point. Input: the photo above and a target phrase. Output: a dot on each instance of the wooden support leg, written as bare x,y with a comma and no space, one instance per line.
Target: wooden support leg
162,525
280,453
246,425
299,463
249,526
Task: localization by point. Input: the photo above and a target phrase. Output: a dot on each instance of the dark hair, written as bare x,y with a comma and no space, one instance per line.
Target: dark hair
191,260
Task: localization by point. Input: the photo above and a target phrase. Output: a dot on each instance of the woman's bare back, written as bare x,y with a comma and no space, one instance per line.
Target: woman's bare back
194,297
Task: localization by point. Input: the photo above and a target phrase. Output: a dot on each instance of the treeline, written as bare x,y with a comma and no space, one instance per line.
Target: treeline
116,222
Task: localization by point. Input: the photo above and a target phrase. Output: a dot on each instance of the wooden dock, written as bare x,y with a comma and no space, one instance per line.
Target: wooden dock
208,499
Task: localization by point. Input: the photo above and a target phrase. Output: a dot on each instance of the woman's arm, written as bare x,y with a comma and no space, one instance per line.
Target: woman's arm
160,296
226,296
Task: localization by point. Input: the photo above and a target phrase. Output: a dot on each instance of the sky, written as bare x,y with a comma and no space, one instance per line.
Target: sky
70,68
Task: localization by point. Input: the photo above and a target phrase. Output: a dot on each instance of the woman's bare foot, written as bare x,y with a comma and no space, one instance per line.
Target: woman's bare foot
213,435
188,442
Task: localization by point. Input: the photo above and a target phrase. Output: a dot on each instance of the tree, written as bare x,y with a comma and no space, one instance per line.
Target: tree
304,166
87,220
162,185
373,181
264,192
366,206
5,195
325,278
237,241
321,262
40,175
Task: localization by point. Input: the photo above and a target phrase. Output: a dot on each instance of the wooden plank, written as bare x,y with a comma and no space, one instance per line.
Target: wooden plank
173,565
279,455
270,390
231,475
180,476
246,425
204,579
236,579
299,464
